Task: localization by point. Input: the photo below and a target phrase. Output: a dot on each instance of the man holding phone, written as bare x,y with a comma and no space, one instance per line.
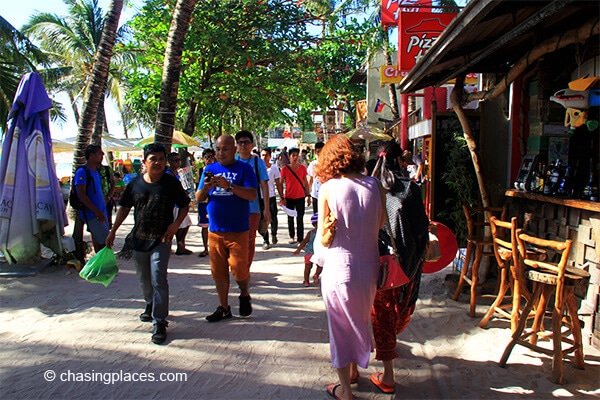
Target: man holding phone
229,185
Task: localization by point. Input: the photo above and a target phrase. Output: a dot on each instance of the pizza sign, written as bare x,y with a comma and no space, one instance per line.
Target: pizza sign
417,32
390,9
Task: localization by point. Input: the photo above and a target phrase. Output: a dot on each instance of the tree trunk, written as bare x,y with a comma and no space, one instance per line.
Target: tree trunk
73,105
94,95
165,121
95,92
457,99
99,125
189,125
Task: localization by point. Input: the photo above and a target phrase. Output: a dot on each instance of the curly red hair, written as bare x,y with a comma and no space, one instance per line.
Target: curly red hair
338,157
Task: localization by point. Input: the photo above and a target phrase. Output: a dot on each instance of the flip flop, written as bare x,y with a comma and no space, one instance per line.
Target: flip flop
380,385
354,379
203,254
331,390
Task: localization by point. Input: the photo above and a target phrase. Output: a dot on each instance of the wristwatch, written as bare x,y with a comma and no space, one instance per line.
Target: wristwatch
230,188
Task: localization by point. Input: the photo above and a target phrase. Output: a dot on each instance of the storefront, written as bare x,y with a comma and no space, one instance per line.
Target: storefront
531,56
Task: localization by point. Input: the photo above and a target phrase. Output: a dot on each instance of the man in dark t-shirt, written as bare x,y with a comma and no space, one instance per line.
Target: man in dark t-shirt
153,196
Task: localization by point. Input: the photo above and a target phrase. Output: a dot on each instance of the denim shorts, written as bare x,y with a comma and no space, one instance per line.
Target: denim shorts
99,230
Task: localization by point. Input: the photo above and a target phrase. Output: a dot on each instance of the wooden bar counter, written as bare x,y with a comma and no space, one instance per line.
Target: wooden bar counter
560,218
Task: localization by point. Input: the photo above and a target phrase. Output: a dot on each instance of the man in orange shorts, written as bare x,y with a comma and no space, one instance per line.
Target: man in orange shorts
229,185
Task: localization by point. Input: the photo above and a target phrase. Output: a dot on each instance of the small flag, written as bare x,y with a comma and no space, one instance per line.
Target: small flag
379,106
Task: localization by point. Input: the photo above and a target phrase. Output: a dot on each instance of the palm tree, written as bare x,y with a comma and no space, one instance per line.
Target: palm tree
98,80
18,56
71,44
180,24
94,95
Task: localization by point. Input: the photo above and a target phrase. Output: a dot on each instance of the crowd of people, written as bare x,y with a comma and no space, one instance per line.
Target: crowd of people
237,195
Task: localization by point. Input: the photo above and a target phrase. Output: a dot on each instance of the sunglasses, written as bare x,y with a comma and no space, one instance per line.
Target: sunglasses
209,157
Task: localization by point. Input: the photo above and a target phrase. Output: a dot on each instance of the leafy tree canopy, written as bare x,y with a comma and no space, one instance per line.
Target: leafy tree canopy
245,62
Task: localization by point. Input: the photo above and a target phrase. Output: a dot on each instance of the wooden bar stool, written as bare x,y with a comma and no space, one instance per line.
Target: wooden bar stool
479,241
505,251
508,297
549,278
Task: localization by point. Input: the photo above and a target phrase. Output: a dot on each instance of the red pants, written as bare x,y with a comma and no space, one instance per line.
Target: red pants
390,318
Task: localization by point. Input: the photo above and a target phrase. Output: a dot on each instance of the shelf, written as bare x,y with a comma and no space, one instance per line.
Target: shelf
573,203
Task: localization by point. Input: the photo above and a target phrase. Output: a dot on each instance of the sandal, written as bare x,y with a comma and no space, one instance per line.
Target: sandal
375,376
354,378
203,253
331,388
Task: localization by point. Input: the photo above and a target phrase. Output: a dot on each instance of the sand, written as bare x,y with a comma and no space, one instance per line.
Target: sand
63,337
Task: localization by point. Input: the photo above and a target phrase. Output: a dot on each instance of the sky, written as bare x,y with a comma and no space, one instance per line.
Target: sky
19,14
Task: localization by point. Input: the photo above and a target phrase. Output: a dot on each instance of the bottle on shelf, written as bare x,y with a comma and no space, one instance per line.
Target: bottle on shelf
553,179
533,181
590,190
564,187
541,178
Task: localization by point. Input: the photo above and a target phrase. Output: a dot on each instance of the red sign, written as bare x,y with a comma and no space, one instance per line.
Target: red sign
417,32
390,9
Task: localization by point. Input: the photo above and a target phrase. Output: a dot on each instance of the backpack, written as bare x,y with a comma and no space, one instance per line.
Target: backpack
73,198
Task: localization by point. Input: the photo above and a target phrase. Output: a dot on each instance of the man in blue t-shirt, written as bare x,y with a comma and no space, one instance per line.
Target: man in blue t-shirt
244,141
229,185
90,194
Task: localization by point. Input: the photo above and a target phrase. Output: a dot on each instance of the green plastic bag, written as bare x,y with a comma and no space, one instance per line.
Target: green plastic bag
102,268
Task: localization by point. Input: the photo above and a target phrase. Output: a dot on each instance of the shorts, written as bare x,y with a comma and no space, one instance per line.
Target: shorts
99,230
307,258
228,250
202,215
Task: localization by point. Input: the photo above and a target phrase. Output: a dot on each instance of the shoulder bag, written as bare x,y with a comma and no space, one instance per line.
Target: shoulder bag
263,224
391,274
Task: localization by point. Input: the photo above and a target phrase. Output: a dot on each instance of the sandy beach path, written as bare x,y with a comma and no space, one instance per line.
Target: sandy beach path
63,337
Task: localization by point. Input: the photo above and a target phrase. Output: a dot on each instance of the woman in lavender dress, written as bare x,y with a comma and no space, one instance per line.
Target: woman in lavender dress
351,263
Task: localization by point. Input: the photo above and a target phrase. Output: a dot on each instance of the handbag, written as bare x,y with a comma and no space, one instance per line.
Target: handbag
434,251
263,225
391,274
261,204
328,231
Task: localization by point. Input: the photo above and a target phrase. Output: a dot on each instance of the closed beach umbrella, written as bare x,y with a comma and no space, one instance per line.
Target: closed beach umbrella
110,143
180,139
32,210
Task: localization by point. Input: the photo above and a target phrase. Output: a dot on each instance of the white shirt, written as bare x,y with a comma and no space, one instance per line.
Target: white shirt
273,172
316,184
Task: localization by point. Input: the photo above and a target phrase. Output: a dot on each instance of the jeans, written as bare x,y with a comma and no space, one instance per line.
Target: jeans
299,206
151,269
273,211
